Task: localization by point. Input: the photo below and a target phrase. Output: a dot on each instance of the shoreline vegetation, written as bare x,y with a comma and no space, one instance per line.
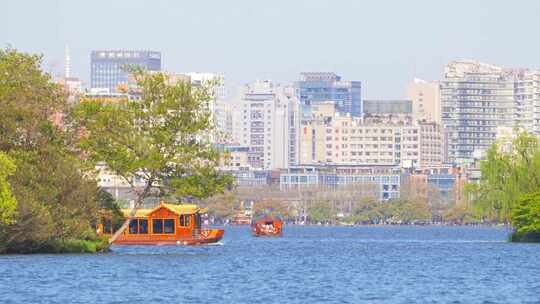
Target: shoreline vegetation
508,190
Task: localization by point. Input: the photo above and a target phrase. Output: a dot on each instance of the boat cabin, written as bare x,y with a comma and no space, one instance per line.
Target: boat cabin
165,224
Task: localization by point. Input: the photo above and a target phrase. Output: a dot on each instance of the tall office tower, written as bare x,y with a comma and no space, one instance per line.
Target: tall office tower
314,88
265,119
475,99
108,67
426,100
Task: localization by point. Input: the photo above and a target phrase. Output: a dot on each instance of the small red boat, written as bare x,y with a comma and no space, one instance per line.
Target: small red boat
167,224
267,226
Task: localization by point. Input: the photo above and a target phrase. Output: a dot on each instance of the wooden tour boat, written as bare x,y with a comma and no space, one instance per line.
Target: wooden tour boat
267,226
167,224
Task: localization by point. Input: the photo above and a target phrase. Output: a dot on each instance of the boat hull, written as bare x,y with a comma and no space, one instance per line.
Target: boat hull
205,237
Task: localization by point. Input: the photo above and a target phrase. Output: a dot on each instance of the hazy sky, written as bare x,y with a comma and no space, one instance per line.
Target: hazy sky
382,43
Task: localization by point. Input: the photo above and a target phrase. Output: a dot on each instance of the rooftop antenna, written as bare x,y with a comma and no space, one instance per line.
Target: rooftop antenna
67,64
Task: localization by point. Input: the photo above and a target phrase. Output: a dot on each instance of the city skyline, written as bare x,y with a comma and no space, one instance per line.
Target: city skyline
414,39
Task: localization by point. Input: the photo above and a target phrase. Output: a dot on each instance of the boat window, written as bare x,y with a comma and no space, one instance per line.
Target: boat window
157,226
185,220
168,225
107,226
133,226
143,226
197,221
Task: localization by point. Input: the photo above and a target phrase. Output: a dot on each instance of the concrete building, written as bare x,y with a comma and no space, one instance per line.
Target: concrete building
475,99
426,100
108,67
329,137
389,111
314,88
386,178
527,100
387,106
265,118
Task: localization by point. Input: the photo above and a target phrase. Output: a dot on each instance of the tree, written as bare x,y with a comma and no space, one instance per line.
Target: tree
222,206
368,211
55,199
28,99
508,171
271,207
159,139
406,211
526,218
8,204
459,214
320,212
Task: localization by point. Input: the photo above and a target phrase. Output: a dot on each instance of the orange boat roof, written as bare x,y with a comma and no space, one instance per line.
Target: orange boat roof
176,208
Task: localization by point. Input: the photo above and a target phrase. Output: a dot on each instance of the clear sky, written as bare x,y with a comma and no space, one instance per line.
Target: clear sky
382,43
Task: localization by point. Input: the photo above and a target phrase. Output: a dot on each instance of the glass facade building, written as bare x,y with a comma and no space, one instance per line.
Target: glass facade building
386,179
315,88
387,106
108,67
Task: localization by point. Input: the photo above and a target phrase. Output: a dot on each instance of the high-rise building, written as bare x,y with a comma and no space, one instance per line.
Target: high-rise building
426,101
475,99
264,119
314,88
527,100
109,67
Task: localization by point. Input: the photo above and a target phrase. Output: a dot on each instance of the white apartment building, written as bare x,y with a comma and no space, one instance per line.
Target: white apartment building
265,119
527,100
476,98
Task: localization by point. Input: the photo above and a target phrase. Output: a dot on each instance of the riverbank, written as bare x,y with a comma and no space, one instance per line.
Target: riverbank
529,237
65,247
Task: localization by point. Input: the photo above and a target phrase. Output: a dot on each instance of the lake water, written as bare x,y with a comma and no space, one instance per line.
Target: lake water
306,265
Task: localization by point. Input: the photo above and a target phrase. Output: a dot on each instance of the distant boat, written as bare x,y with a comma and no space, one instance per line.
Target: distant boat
267,226
241,218
167,224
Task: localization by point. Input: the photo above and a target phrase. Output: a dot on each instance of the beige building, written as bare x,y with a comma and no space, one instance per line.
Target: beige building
328,137
426,101
265,119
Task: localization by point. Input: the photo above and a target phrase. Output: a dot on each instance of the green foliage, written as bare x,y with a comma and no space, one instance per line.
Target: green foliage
8,204
55,199
75,246
526,217
368,211
405,211
321,212
161,139
271,207
27,100
507,172
459,214
222,206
